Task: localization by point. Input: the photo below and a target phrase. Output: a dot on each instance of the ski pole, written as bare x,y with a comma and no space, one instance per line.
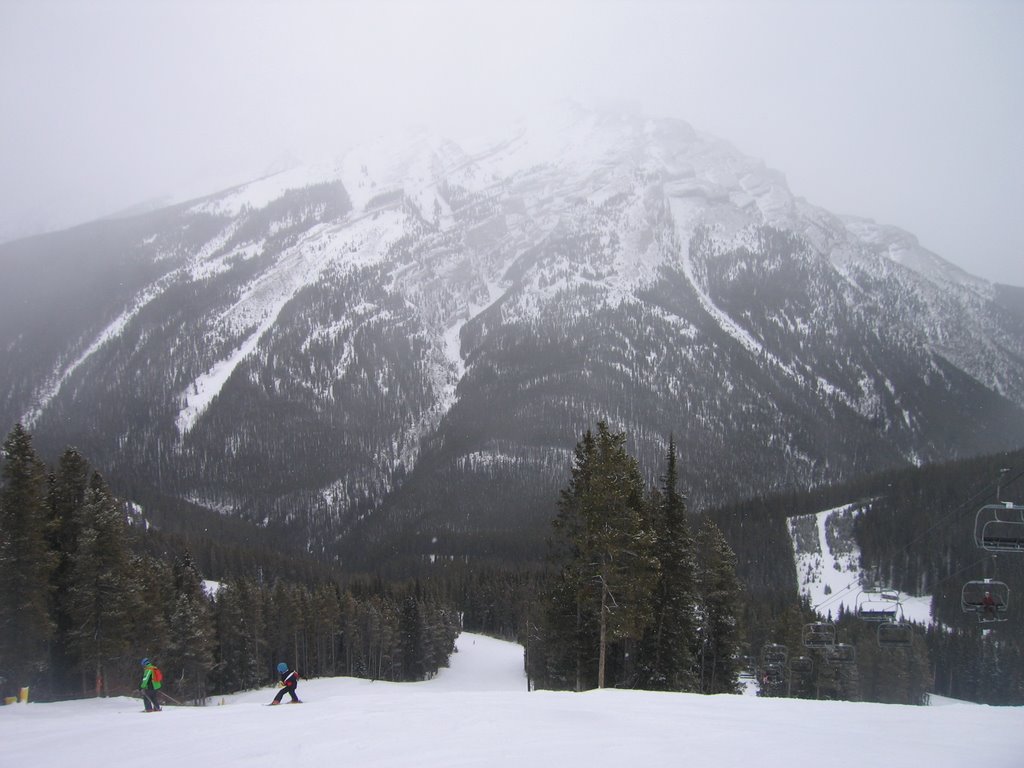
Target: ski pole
171,698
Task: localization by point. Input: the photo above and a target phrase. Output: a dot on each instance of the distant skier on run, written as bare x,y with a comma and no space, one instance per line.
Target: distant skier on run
152,680
289,682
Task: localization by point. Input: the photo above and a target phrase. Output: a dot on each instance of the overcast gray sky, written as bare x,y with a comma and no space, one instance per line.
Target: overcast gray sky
911,113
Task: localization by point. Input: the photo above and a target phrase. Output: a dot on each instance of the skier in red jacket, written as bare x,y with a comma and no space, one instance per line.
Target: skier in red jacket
289,682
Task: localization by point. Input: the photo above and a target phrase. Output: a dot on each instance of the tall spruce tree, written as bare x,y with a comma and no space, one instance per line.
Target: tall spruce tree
607,542
354,661
102,595
191,632
326,609
26,563
285,631
242,659
68,485
569,626
666,659
151,633
411,641
718,650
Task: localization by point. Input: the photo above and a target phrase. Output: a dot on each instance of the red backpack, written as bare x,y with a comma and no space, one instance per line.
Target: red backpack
158,676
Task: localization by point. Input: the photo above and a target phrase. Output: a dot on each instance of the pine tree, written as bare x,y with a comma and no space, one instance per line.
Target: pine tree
26,562
666,660
442,630
325,629
354,660
285,628
718,653
102,594
242,660
150,634
607,543
569,623
190,652
68,485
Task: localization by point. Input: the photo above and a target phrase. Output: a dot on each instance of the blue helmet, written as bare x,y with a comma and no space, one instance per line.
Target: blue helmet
282,667
145,662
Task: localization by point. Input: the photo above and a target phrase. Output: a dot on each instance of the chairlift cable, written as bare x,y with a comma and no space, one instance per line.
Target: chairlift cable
953,575
959,509
835,595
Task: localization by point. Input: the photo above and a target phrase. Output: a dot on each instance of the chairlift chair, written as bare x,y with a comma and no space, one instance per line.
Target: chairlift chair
841,653
872,606
895,634
989,599
773,674
774,655
801,665
1000,527
748,666
819,634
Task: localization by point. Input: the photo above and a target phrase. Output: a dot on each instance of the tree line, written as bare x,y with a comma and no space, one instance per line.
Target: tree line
81,602
630,595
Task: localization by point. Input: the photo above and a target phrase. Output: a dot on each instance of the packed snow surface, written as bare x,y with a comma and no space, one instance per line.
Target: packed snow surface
479,713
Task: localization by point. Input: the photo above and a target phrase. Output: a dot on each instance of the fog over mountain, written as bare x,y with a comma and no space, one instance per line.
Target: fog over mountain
336,349
906,113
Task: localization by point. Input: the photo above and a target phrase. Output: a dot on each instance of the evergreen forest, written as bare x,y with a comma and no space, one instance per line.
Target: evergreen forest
634,589
87,591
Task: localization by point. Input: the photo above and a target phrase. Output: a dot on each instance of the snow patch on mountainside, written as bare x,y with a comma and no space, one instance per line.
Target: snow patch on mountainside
256,311
453,346
414,164
478,460
258,194
203,263
722,318
203,268
903,248
200,266
60,375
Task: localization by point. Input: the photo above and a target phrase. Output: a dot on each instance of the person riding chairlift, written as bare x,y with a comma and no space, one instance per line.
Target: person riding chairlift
988,605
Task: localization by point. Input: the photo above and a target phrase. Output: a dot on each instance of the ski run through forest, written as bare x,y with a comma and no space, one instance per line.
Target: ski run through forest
479,713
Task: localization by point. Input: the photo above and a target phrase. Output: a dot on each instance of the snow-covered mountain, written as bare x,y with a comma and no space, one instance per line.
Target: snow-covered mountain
414,337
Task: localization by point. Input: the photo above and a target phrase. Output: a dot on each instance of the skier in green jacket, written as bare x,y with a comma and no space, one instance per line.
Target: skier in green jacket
151,681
